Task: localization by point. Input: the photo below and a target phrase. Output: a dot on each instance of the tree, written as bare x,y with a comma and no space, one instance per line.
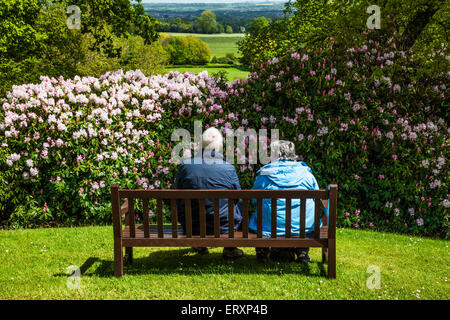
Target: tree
34,41
258,24
188,50
206,23
229,29
108,18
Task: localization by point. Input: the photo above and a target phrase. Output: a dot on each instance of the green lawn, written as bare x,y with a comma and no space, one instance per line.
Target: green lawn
33,264
220,44
232,73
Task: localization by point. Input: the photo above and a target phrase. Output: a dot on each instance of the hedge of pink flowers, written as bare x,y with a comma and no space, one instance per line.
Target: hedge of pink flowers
359,117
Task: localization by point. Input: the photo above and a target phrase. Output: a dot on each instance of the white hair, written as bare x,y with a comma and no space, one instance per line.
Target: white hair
283,149
212,140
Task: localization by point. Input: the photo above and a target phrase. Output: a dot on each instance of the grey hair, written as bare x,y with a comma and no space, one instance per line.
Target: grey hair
212,140
283,149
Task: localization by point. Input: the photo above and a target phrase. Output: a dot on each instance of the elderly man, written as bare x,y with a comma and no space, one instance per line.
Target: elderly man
210,171
285,174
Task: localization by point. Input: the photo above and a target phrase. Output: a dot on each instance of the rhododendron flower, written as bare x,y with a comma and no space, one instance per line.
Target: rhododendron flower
34,172
419,222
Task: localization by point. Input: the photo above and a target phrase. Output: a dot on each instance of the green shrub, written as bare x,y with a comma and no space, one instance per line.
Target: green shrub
365,119
188,50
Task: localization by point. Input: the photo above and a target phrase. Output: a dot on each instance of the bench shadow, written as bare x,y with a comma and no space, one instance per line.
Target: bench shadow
184,261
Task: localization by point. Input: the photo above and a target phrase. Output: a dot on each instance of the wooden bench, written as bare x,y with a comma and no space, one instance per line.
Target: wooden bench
160,235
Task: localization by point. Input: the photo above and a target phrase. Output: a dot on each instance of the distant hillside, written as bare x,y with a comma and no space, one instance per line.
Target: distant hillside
238,15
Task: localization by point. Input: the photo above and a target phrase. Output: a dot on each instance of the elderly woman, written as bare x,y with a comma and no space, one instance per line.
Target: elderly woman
210,171
285,174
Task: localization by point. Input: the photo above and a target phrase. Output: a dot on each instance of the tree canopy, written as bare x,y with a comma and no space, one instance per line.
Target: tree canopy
420,23
35,39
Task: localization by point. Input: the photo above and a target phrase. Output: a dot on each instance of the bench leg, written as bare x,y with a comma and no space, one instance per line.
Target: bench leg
128,255
332,258
324,255
118,258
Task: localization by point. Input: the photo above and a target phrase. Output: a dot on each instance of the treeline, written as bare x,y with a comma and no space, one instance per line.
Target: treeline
175,17
206,23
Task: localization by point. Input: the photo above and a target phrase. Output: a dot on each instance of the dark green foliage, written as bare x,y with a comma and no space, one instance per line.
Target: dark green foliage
187,50
420,23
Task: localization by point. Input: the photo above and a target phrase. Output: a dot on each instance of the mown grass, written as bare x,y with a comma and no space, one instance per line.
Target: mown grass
33,264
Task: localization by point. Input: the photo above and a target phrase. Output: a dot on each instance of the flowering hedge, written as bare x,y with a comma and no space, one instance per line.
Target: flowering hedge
360,118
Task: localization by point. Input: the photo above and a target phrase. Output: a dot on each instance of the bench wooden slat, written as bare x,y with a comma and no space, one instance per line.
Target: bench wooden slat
237,234
259,217
159,217
325,219
302,217
231,218
224,242
317,216
245,218
288,217
173,209
216,218
145,218
222,194
201,204
273,218
131,216
188,217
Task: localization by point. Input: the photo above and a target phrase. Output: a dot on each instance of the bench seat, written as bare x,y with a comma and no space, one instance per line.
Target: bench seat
211,241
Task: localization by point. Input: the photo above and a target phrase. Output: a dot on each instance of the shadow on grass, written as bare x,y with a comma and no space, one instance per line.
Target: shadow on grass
186,262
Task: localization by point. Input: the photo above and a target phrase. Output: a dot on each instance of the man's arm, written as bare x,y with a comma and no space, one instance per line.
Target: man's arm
235,180
179,177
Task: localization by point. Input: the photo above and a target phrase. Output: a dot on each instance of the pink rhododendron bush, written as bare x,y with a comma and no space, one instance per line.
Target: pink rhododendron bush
360,117
64,142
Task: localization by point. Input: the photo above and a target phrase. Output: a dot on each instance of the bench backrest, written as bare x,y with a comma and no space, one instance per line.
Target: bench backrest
329,196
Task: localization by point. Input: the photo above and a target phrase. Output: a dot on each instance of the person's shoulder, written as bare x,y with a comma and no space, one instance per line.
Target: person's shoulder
190,161
302,165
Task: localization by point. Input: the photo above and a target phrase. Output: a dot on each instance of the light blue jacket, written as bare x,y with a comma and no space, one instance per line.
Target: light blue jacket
285,175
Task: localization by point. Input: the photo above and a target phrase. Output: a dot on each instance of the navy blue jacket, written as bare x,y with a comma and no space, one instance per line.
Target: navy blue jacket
198,173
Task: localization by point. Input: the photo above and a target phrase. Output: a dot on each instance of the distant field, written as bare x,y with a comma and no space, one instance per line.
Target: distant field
232,73
206,35
220,44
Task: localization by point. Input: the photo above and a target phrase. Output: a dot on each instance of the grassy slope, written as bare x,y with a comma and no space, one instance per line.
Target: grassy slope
33,264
